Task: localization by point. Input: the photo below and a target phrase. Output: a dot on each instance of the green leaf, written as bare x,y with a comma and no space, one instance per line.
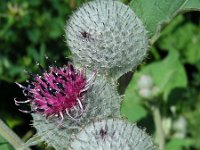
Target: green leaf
167,75
131,107
132,110
157,13
192,52
4,145
191,5
183,37
179,144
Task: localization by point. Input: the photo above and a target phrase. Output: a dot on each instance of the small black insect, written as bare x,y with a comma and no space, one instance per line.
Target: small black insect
86,35
103,133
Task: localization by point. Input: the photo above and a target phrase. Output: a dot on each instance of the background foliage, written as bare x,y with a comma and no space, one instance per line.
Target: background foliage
29,30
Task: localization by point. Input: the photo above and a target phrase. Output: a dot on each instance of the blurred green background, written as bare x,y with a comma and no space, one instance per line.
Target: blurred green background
30,30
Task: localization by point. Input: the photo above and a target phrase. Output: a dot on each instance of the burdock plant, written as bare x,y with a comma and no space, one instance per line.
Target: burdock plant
63,99
105,36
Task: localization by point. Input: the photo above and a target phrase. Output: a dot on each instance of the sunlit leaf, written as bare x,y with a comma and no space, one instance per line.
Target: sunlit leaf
179,144
157,13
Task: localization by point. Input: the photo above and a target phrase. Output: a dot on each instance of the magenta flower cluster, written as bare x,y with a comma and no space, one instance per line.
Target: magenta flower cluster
57,91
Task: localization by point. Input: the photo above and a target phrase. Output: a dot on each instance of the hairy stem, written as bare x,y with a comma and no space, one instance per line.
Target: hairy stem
10,136
160,136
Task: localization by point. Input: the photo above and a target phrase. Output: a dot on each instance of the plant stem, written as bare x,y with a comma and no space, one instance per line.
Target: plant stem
160,135
10,136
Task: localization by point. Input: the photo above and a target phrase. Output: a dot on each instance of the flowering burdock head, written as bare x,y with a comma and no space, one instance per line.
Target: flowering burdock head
63,99
112,134
107,35
58,91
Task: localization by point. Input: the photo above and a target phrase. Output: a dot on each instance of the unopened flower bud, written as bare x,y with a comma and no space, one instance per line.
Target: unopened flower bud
147,88
145,81
112,134
180,127
107,35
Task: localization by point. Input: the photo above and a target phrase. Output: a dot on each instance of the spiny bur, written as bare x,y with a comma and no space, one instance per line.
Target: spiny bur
112,134
108,36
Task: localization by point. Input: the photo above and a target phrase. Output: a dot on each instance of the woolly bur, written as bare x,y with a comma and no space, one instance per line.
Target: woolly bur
107,35
63,99
112,134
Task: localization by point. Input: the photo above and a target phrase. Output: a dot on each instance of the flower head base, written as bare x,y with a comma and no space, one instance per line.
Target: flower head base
58,91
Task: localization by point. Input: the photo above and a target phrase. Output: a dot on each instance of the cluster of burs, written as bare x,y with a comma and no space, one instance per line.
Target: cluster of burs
105,37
